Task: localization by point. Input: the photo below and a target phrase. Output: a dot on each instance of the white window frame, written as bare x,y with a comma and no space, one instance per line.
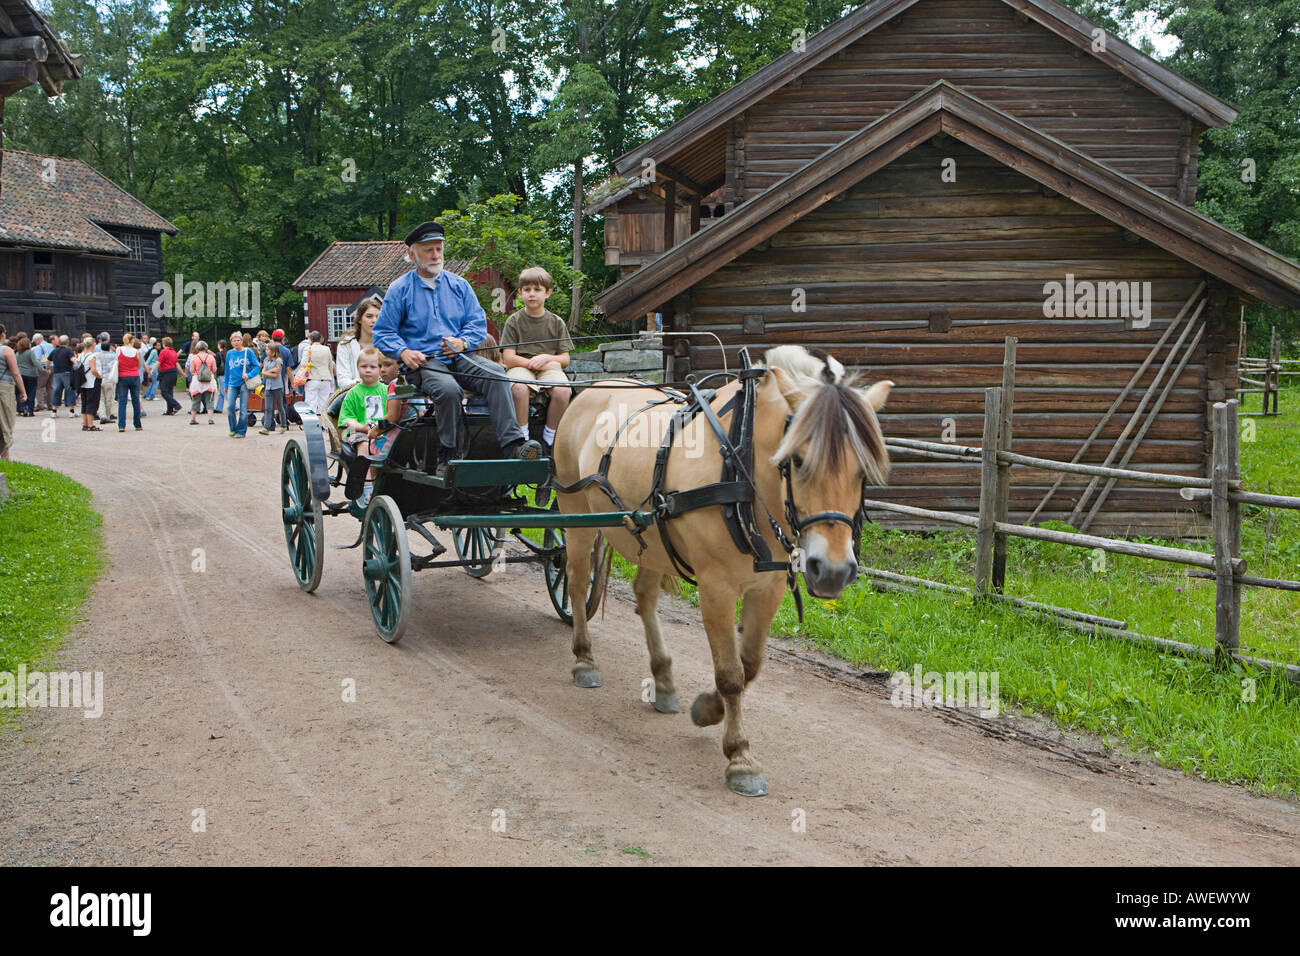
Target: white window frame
134,243
336,321
136,320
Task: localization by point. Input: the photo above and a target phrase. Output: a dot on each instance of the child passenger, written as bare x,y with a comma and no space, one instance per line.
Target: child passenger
369,402
535,347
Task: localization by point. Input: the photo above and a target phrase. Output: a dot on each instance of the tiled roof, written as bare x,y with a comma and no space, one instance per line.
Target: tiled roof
359,265
67,211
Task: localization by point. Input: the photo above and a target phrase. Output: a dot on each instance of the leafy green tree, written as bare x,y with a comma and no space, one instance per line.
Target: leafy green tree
495,234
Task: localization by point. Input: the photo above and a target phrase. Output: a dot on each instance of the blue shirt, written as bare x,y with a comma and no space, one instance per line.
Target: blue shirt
286,356
43,350
240,362
417,317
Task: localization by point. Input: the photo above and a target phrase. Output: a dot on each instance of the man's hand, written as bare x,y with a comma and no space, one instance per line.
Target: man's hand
452,345
538,362
413,359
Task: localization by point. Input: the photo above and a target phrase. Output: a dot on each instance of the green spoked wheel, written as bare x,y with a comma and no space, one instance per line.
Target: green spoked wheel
304,525
386,565
557,576
476,545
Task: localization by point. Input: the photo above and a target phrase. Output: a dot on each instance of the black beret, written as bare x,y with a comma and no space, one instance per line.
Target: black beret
424,232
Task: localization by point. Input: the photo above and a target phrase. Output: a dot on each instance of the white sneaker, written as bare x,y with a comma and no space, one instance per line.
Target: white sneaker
54,414
70,415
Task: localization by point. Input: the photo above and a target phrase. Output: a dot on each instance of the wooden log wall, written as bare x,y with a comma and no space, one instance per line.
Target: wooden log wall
986,48
919,281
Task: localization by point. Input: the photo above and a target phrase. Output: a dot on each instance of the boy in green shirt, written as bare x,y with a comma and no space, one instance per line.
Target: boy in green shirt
365,404
535,347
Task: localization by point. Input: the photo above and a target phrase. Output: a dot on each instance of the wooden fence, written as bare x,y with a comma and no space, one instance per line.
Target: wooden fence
1225,566
1263,375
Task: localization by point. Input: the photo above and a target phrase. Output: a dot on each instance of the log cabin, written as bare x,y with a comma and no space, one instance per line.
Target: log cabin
927,177
78,253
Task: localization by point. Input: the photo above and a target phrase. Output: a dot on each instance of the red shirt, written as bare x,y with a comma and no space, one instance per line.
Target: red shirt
166,359
128,365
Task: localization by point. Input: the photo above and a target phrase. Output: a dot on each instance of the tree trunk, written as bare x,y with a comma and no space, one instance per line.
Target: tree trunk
575,305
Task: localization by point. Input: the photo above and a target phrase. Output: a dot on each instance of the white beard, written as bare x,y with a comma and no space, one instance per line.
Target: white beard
433,272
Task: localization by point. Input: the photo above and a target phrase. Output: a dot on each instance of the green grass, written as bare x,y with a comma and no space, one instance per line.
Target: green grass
1180,713
51,553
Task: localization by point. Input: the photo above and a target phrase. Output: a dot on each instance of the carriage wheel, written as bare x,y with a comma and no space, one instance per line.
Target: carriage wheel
477,544
386,565
557,575
304,525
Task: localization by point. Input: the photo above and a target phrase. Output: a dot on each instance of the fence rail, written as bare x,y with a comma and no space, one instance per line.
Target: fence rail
1224,565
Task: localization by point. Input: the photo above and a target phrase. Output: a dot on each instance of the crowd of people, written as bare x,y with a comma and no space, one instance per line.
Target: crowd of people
107,375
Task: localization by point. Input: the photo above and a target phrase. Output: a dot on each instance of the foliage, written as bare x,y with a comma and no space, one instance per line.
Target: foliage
493,234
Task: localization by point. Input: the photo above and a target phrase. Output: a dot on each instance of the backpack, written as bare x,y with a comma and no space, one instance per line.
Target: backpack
78,376
205,372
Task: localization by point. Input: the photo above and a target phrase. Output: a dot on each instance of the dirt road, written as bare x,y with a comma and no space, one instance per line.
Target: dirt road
225,706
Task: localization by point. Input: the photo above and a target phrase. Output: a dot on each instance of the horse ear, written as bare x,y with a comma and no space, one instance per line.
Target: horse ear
794,395
877,394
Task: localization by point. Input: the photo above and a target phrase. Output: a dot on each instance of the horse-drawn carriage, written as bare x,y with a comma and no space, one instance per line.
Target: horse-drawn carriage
485,500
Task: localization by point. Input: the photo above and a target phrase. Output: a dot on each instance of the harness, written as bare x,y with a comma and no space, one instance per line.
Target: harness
735,492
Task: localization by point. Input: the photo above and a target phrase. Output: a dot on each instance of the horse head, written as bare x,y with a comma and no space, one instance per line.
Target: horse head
832,448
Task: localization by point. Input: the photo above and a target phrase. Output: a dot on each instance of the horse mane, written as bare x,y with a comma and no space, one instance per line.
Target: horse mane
834,418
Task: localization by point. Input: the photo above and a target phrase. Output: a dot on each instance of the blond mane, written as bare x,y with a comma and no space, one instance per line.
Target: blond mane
832,416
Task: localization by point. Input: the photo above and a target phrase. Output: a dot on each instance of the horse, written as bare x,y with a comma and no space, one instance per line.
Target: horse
816,440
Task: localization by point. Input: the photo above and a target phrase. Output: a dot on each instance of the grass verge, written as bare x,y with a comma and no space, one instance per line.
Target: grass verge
51,553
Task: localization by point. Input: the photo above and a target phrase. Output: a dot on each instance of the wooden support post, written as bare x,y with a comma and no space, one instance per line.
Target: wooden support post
1004,468
1275,360
988,490
670,214
1120,399
1227,622
695,214
1146,426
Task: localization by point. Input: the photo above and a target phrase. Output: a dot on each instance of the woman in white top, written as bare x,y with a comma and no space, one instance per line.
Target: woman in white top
356,339
91,391
320,378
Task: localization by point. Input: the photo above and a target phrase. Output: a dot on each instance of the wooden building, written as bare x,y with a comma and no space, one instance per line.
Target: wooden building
928,177
77,252
31,53
344,270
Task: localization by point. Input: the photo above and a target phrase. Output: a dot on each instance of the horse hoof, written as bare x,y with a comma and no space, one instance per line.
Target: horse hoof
586,677
667,704
748,784
705,712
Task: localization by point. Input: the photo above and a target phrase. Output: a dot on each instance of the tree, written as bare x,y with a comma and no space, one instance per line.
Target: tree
494,234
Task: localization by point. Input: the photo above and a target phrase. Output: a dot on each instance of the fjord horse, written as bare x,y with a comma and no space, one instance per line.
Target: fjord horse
833,444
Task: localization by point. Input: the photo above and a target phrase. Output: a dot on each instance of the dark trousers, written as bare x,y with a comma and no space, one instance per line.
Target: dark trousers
167,385
445,387
129,386
29,406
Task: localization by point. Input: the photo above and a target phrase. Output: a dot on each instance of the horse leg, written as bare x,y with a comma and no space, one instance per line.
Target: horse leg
718,607
757,610
646,587
579,545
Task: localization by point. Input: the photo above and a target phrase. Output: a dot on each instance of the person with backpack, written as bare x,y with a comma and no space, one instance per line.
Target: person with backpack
86,380
201,369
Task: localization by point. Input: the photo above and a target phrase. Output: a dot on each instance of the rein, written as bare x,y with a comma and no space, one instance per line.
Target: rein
735,493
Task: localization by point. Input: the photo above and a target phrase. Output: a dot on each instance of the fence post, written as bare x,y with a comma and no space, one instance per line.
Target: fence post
1227,599
988,489
1004,471
1275,360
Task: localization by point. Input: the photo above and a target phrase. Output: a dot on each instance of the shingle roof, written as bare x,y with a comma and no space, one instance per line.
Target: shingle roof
67,210
359,265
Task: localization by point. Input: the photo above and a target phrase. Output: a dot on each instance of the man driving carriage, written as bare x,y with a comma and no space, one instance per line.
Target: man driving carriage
431,322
